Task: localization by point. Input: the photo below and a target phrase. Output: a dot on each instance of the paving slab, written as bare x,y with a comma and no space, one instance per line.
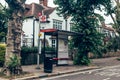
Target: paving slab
70,68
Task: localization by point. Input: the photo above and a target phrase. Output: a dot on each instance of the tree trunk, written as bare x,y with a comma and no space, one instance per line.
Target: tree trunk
117,13
14,36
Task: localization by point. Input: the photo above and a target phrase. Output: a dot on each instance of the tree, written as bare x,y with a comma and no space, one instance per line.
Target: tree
110,10
3,22
83,14
117,15
13,48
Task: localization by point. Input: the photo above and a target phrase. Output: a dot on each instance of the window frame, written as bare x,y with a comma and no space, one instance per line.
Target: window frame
57,24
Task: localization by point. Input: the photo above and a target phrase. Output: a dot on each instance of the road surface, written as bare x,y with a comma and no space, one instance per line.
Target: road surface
107,73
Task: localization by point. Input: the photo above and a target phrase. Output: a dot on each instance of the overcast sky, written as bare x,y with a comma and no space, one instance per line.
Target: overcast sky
50,3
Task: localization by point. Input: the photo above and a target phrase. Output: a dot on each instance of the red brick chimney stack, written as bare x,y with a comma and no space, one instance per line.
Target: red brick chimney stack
43,2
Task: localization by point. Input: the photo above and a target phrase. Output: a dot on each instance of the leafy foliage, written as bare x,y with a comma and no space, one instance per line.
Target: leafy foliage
13,64
14,61
49,50
15,4
29,55
113,44
83,14
2,54
90,41
28,50
3,21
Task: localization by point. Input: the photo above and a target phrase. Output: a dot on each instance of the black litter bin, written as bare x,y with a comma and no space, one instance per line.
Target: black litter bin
48,65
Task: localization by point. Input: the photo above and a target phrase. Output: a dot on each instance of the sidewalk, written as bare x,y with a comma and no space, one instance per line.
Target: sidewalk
58,70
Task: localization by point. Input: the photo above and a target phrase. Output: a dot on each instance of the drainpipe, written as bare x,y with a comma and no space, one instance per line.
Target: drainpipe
33,31
66,24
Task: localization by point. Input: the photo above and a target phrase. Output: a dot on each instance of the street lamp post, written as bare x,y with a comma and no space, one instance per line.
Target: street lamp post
39,44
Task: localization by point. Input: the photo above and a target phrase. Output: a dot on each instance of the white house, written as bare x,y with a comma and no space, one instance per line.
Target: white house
31,23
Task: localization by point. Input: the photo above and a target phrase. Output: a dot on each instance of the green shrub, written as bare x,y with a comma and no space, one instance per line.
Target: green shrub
29,55
28,50
48,50
13,64
2,55
81,59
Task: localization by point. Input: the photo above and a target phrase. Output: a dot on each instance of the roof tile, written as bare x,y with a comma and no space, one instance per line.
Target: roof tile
33,9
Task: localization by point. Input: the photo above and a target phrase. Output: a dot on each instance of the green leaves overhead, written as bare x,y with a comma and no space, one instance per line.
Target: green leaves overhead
75,6
15,4
85,22
3,22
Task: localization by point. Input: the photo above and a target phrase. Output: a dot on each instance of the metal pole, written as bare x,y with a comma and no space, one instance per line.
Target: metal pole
33,31
66,24
57,49
39,47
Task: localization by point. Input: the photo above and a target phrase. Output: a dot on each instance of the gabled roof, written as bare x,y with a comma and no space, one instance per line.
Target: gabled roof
33,9
48,11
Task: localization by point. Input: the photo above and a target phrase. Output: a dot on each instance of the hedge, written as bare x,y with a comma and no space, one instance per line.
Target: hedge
29,55
2,54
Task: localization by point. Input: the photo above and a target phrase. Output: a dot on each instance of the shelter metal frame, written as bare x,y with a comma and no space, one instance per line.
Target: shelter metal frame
56,33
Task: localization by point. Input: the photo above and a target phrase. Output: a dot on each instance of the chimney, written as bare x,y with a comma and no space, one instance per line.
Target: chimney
43,2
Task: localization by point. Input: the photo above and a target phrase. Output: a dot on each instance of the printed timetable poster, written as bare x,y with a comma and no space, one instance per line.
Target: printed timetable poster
62,51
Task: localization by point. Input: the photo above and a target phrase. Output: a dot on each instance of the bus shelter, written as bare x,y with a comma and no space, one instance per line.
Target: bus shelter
61,55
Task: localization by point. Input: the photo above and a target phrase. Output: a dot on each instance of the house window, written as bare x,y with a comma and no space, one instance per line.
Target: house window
53,43
71,26
57,24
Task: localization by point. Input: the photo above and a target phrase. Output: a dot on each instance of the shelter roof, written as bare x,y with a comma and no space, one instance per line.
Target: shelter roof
56,32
